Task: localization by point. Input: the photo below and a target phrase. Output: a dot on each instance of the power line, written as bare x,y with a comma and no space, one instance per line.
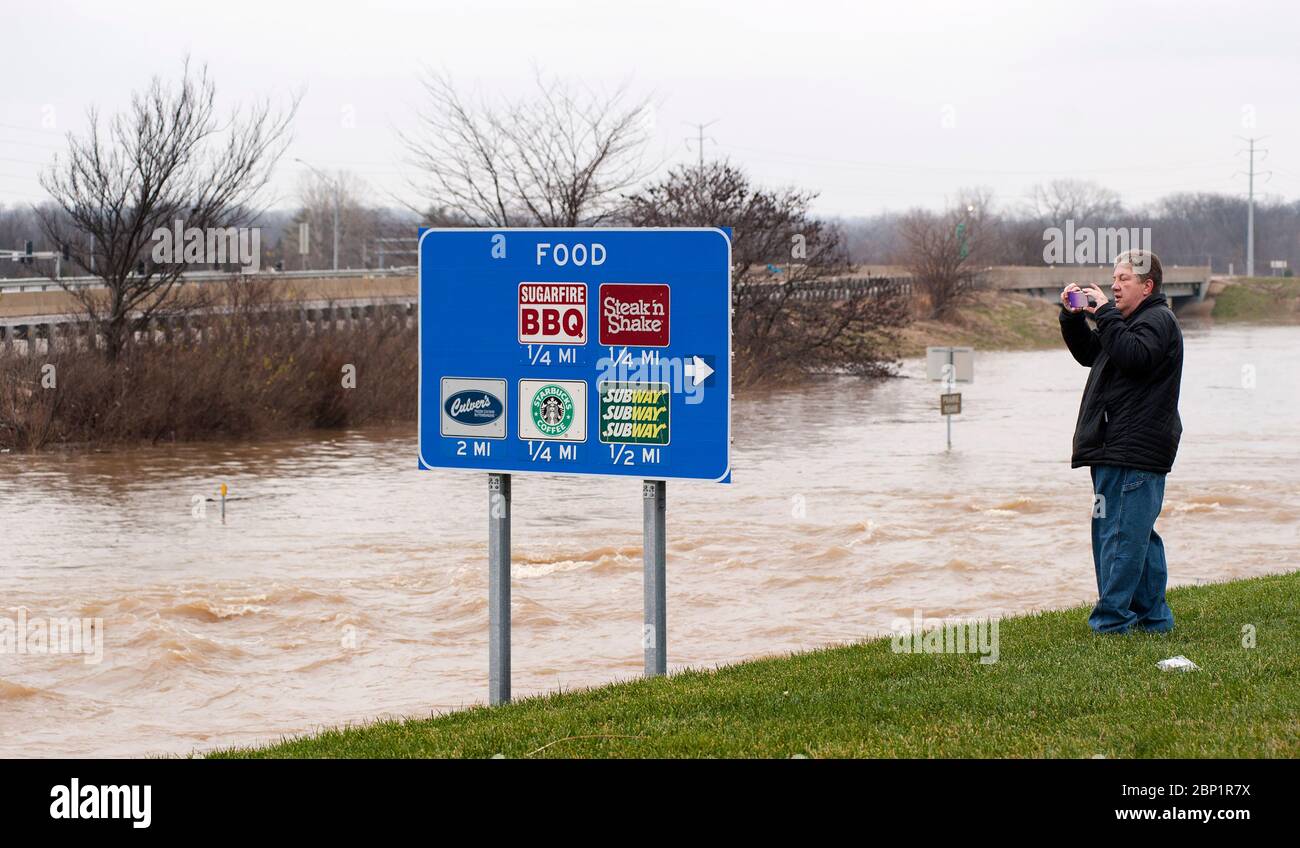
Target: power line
31,129
4,141
798,158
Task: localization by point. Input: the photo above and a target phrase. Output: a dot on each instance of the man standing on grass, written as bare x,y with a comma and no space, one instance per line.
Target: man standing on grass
1128,432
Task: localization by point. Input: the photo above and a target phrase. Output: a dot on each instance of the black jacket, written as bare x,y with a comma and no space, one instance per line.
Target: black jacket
1129,412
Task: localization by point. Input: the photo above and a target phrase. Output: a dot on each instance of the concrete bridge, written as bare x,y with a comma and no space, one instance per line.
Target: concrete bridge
34,311
1182,284
37,313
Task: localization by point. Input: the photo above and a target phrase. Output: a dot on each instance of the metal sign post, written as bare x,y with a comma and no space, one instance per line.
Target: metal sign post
950,386
951,365
654,633
581,351
304,241
498,588
950,405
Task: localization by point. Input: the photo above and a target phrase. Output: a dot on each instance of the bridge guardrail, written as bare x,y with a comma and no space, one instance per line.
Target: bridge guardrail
830,290
38,284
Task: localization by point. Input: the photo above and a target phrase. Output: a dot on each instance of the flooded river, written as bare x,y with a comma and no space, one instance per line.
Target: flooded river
346,585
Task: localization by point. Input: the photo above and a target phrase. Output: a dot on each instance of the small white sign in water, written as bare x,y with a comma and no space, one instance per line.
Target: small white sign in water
950,364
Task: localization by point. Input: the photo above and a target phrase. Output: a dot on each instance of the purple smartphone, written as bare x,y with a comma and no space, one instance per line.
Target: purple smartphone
1078,300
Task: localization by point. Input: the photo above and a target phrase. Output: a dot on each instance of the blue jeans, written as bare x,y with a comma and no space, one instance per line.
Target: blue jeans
1127,552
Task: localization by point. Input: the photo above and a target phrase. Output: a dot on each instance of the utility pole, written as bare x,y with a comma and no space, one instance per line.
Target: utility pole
700,138
336,225
1250,206
335,183
1250,215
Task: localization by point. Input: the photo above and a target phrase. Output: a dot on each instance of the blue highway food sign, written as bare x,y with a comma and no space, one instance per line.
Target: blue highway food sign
576,351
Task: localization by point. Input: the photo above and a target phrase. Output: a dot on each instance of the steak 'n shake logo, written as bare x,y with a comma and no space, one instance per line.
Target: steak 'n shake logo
634,314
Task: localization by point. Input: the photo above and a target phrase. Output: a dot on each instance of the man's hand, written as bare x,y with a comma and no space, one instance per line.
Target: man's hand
1065,298
1098,298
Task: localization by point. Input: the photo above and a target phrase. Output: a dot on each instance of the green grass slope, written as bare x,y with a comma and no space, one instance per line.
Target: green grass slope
1259,300
1057,690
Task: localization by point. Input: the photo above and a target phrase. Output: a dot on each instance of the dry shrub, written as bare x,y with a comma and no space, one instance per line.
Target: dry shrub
250,371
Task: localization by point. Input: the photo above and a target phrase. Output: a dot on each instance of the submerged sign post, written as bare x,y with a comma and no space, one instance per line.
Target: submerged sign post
579,352
950,365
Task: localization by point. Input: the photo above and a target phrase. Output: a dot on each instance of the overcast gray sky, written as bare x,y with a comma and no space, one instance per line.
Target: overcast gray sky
875,105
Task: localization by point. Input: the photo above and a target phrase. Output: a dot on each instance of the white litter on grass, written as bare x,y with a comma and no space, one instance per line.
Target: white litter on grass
1178,663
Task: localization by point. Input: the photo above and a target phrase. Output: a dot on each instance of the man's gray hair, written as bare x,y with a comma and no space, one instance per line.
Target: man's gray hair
1145,264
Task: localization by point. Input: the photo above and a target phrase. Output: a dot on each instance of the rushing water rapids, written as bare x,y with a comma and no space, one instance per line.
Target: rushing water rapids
346,585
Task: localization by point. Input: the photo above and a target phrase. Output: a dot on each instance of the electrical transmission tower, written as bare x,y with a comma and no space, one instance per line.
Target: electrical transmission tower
700,137
1250,202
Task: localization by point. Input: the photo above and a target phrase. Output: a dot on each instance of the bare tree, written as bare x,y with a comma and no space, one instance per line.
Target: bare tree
559,159
942,249
872,240
1202,227
780,255
168,157
1086,203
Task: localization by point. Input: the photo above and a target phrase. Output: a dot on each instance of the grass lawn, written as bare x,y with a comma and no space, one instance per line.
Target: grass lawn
1259,299
1057,690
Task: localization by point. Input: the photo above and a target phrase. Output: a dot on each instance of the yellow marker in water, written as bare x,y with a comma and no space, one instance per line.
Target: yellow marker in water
223,503
223,490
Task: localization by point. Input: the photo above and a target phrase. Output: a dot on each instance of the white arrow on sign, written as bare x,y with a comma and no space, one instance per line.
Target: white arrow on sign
698,370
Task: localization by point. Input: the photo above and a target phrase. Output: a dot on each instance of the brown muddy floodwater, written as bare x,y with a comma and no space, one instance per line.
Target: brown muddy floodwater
347,585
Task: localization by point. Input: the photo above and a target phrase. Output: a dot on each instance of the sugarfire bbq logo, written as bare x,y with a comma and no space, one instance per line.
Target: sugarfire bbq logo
553,313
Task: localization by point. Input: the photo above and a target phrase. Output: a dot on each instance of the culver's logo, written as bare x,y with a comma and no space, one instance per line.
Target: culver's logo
474,407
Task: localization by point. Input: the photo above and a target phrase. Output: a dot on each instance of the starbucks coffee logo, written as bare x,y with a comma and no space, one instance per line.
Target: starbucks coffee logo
552,410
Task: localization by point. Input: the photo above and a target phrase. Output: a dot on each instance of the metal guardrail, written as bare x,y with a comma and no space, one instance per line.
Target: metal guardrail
39,284
22,336
829,290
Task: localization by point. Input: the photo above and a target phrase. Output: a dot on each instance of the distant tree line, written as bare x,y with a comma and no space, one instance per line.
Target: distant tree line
1187,228
565,156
